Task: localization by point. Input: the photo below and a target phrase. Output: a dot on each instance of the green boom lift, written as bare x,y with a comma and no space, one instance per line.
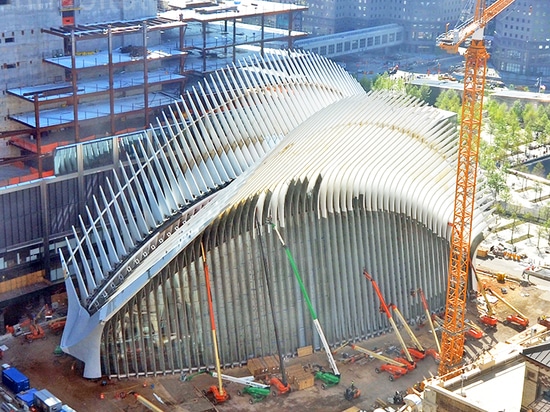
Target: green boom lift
328,378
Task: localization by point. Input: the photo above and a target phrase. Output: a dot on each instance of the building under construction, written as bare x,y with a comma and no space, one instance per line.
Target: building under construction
290,139
100,71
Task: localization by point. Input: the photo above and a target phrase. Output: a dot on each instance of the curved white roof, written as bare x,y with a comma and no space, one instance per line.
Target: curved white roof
395,153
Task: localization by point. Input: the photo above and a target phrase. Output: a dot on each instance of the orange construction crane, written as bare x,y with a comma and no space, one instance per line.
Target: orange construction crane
452,337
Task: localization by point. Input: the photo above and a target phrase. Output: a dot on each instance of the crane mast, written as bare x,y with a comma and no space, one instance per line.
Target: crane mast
452,337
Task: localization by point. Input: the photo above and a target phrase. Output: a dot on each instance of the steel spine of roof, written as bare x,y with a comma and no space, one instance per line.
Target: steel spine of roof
395,153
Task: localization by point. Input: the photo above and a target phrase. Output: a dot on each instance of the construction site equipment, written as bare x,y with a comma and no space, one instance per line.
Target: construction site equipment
351,393
429,318
473,331
216,394
281,386
36,332
489,319
418,352
328,378
246,381
385,309
452,339
544,321
395,371
146,402
518,319
45,401
395,362
57,325
278,387
256,394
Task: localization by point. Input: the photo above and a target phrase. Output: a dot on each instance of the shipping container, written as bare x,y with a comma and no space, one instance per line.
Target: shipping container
26,397
14,380
45,401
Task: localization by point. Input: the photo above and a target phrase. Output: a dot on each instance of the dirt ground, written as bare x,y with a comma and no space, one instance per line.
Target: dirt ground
62,375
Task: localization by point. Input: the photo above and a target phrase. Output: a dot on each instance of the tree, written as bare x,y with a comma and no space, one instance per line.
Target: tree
385,82
496,181
366,84
524,171
528,218
506,196
514,225
449,100
538,170
538,191
423,92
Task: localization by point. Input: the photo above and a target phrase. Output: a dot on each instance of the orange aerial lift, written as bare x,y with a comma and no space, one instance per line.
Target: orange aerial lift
488,319
518,318
430,320
452,337
36,332
474,331
418,352
395,367
384,308
216,394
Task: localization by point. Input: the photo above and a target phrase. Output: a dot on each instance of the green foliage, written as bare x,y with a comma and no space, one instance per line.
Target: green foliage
496,181
366,83
385,82
449,100
538,170
422,93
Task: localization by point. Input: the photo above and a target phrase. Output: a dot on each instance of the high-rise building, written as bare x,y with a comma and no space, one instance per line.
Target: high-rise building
74,71
521,34
522,39
422,20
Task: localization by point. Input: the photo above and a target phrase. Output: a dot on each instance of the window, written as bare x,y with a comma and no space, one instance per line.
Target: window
10,40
